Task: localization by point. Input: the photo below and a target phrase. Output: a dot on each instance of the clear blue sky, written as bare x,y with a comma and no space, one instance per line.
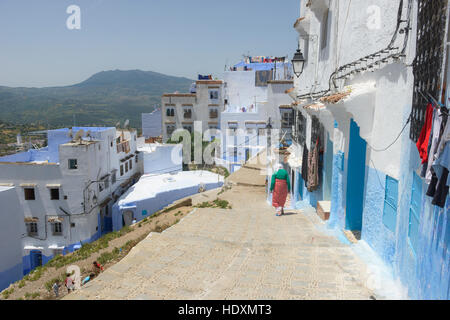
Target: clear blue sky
175,37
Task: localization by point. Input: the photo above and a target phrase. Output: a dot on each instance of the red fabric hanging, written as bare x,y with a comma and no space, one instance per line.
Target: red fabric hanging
424,139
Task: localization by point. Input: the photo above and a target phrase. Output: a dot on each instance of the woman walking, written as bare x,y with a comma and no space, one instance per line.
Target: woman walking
280,187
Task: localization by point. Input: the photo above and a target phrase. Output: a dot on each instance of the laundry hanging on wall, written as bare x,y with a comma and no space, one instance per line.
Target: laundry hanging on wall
305,165
436,169
313,168
424,138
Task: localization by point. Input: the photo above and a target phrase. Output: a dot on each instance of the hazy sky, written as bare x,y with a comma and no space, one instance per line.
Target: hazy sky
175,37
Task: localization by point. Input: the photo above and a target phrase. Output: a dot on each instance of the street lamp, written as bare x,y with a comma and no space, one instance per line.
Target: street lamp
298,63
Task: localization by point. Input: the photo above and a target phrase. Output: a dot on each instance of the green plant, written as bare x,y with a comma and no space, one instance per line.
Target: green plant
7,293
37,273
223,204
21,283
218,203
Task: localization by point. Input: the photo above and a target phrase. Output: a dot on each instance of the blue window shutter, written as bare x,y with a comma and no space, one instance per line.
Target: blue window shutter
414,212
390,204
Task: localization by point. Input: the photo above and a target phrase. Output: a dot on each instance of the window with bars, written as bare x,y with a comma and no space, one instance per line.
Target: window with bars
29,194
428,64
287,119
170,129
188,127
32,229
170,112
57,229
187,113
213,113
54,194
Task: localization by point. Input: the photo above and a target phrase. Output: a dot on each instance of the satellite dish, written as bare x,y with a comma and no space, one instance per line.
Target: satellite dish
79,136
70,134
125,125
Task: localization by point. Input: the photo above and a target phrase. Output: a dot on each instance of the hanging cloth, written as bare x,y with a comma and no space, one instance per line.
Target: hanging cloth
313,168
305,165
424,139
439,186
434,142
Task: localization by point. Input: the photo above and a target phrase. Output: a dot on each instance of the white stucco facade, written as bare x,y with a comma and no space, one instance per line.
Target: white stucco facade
66,190
11,232
182,110
250,110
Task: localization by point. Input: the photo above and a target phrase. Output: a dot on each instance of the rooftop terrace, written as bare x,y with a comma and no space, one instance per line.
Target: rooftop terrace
50,153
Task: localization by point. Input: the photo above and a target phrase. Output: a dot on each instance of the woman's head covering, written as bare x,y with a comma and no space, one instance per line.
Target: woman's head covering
279,166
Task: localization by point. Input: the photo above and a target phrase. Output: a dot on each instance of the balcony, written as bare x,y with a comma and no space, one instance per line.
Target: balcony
123,147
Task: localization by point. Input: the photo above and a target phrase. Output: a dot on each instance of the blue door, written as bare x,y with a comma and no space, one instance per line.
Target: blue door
355,179
36,259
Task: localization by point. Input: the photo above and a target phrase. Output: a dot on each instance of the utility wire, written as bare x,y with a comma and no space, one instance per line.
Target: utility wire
398,137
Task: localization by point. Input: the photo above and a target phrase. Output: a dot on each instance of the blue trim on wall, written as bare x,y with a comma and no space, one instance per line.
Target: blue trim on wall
10,275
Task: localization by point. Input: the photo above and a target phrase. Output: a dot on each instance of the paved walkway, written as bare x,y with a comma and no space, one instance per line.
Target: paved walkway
243,253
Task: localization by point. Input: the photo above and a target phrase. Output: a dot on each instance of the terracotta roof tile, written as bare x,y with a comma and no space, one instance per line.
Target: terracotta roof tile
335,98
298,21
290,90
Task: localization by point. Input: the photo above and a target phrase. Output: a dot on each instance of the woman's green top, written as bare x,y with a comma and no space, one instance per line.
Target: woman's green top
280,175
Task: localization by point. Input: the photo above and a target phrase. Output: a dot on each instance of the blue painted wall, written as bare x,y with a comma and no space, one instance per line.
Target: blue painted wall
425,272
337,214
374,230
10,275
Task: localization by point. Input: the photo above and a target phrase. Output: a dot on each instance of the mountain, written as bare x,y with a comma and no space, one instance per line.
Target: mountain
104,99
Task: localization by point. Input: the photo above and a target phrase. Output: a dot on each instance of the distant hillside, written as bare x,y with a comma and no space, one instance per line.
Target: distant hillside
104,99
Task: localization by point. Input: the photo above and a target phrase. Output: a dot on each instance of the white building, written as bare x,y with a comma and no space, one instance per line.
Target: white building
255,100
154,192
66,189
152,124
365,62
12,230
161,158
204,103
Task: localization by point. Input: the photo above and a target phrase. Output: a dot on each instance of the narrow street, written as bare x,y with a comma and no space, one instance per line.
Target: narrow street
243,253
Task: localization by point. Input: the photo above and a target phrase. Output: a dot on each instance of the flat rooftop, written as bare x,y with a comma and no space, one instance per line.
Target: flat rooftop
50,153
150,185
